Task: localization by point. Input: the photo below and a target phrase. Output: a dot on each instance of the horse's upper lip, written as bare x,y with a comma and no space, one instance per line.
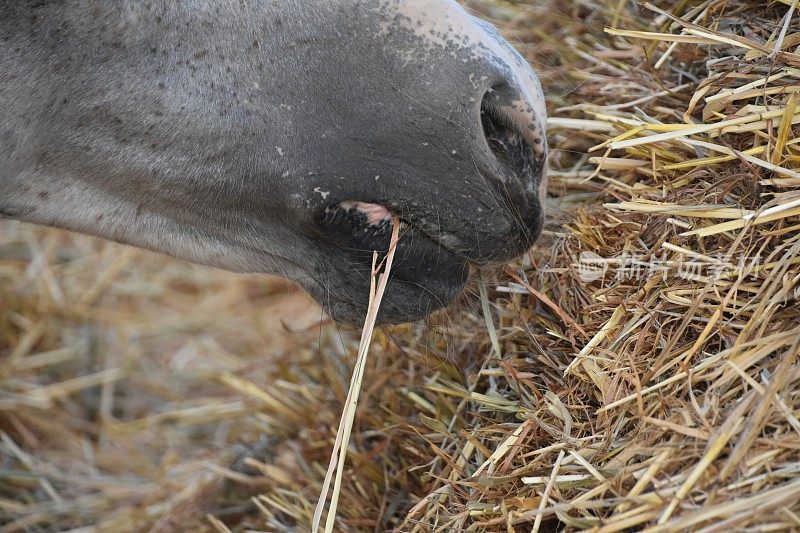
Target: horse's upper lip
374,213
378,217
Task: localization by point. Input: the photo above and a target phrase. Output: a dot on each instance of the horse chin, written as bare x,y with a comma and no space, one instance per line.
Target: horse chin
425,276
345,297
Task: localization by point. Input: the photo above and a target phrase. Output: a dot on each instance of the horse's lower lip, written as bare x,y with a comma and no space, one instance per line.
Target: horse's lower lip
426,276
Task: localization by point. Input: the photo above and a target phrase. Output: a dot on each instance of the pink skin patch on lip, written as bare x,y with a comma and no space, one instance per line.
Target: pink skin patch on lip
375,213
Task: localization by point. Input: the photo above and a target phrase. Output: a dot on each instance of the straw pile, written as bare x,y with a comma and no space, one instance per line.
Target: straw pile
637,371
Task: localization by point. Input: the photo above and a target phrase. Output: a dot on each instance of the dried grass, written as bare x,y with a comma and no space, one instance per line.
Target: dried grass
141,394
378,283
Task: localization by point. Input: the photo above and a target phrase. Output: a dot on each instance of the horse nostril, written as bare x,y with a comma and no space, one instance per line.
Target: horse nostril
506,141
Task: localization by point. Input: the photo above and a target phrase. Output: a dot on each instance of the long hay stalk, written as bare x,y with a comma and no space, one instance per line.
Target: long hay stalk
378,284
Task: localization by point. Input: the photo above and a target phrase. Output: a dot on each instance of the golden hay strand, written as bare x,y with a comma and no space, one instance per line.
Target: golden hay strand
378,284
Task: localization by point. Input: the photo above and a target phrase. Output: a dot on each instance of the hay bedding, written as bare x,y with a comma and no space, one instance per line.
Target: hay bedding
648,378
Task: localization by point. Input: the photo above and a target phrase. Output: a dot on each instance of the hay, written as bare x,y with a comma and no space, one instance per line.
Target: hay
648,378
378,283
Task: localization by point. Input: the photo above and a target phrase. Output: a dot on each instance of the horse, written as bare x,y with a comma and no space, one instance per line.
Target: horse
279,137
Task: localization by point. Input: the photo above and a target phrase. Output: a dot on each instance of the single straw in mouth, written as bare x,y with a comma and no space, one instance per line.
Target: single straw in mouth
379,282
375,213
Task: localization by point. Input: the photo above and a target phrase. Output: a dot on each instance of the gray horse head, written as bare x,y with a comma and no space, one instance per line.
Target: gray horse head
277,136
